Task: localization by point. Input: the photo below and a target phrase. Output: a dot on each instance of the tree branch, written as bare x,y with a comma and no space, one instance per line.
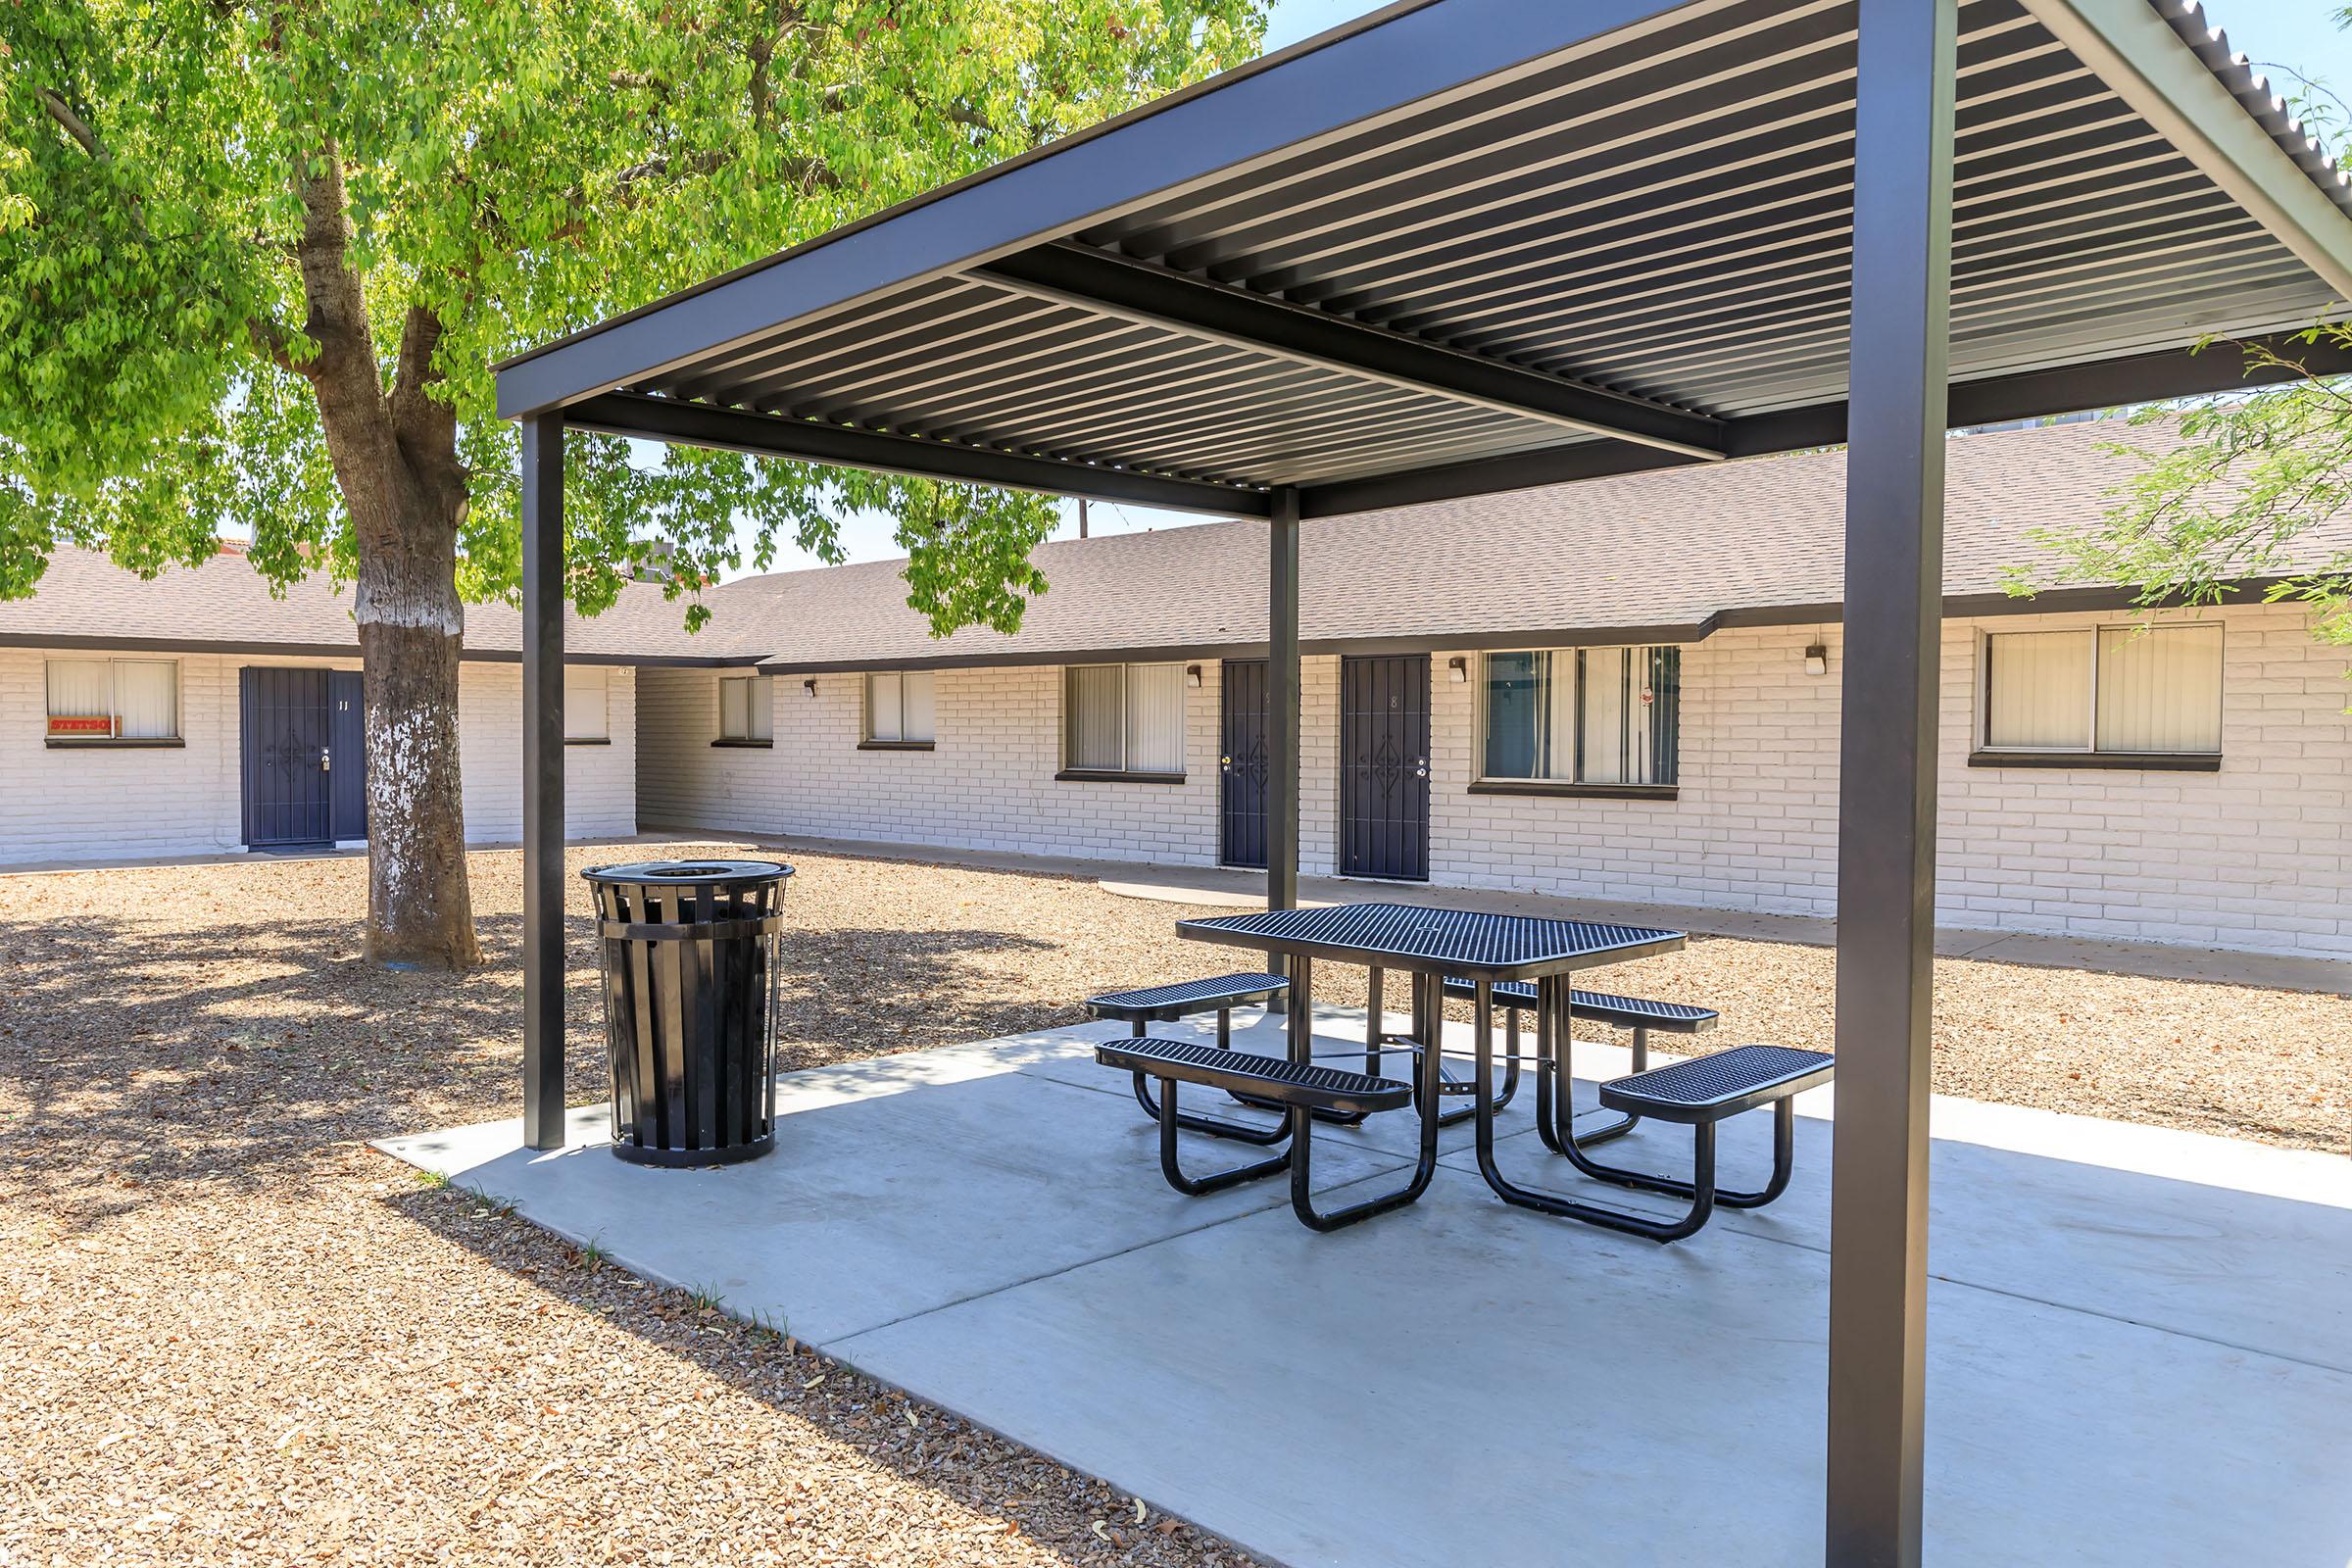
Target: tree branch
74,125
275,344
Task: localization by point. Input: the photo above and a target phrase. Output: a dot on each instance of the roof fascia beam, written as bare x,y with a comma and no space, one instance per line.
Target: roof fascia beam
1990,400
1393,65
1956,606
2130,46
1104,283
702,424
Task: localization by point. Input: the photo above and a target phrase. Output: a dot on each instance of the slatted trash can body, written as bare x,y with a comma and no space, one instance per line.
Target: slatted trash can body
690,1006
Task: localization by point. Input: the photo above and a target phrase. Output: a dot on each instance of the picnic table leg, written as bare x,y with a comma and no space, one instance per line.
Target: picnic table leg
1563,1036
1702,1192
1547,1119
1428,1013
1171,1165
1374,1009
1300,1027
1239,1132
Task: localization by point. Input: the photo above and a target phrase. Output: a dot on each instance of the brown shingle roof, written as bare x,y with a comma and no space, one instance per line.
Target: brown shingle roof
1668,554
85,600
1663,555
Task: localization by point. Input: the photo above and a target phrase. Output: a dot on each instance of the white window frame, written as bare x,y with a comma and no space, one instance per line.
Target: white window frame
901,741
1074,772
2092,748
575,684
754,688
1575,782
114,735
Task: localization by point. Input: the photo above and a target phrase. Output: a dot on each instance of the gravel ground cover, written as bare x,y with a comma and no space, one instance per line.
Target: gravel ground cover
230,1333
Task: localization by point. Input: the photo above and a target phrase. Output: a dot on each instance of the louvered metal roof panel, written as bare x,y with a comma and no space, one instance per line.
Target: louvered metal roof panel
1661,216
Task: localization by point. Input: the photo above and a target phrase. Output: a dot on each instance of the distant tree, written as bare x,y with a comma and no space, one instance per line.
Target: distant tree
2230,493
2233,489
257,258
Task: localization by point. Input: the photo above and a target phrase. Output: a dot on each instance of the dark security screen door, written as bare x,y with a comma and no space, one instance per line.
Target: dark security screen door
347,751
1383,767
1241,766
285,714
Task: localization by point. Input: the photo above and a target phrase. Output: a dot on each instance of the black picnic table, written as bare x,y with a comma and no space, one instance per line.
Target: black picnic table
1431,945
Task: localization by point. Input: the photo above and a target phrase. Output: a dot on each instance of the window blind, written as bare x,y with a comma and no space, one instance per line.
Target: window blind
920,711
587,703
2160,689
1093,717
2037,689
1156,718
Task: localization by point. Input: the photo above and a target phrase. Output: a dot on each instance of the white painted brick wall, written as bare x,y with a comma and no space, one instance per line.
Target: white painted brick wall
2254,857
600,782
119,804
988,785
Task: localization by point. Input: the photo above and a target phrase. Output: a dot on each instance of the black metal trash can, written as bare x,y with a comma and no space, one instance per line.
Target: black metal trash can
690,1006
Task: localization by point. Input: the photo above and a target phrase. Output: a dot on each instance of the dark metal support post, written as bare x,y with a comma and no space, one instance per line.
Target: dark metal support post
1886,779
543,782
1282,701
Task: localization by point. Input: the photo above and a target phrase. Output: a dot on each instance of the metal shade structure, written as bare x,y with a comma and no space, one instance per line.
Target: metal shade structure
1465,246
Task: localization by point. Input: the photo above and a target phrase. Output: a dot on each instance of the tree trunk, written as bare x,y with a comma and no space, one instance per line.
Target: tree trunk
420,906
395,457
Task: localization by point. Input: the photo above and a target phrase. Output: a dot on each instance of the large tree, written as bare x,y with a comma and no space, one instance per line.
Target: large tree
257,258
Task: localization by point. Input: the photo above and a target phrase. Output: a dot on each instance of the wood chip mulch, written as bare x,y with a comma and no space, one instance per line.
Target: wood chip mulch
232,1334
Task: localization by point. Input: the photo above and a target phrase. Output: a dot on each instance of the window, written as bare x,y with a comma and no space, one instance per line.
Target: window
1604,716
1124,718
901,709
747,711
95,701
2126,691
587,704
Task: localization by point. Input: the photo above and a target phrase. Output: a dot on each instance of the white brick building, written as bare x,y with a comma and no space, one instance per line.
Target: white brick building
87,802
2256,854
2080,818
2186,785
128,724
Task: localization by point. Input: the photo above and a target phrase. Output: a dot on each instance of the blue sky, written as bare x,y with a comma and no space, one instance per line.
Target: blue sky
2298,35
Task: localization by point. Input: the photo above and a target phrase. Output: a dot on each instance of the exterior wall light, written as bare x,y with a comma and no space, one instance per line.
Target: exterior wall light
1458,669
809,685
1817,659
1192,676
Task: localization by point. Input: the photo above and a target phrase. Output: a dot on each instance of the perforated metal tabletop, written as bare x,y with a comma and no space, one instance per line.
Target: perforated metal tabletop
1460,942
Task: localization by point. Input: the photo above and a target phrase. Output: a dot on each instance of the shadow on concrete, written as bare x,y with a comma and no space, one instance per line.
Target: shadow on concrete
1053,1508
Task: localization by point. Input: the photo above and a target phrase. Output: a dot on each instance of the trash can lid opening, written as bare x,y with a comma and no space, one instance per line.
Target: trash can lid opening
684,872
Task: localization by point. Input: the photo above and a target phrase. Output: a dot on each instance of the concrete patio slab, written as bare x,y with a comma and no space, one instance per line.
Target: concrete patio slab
2137,1335
1466,1384
2240,1244
898,1186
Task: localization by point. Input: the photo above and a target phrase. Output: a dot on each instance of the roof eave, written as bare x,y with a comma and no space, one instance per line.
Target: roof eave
2153,55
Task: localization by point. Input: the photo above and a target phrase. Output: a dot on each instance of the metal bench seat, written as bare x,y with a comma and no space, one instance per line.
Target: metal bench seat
1302,1089
1554,1107
1309,1085
1166,1003
1699,1093
1630,1012
1708,1088
1218,993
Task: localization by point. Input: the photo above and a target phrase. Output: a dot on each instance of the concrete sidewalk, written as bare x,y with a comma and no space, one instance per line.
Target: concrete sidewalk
1224,886
2138,1336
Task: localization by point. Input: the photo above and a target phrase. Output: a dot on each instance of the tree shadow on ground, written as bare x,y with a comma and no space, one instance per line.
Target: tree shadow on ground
137,1054
1071,1517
